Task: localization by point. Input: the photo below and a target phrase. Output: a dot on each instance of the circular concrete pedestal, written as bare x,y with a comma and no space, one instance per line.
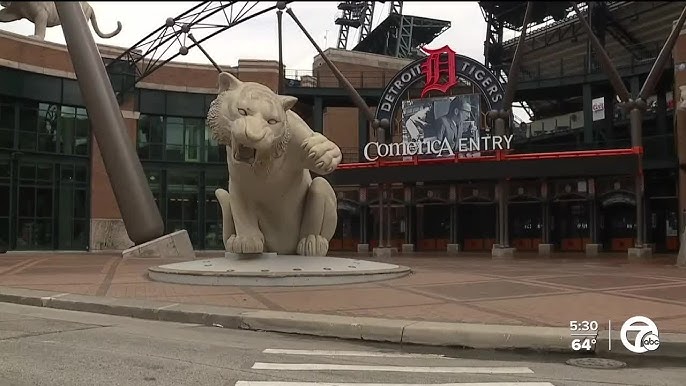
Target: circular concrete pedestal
270,269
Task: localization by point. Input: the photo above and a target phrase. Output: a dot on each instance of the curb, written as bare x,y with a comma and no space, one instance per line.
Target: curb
464,335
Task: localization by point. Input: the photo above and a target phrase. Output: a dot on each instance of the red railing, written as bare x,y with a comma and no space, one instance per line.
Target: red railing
499,155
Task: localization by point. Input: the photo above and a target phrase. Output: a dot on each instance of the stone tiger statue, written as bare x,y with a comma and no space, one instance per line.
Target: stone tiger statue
273,204
43,14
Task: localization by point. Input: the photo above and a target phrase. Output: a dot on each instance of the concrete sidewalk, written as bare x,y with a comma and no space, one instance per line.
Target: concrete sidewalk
473,295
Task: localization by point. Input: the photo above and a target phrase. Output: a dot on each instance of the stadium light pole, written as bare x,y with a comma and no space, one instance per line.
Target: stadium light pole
636,107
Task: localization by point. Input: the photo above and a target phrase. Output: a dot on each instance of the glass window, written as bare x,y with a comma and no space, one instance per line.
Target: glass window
80,134
80,204
152,102
155,181
185,104
67,173
44,173
5,171
38,127
182,203
174,126
27,202
7,125
174,131
81,174
213,151
28,123
4,201
184,138
47,128
195,130
150,138
67,129
27,172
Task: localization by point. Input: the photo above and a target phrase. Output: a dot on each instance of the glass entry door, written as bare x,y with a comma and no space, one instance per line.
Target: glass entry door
663,222
570,224
183,195
35,206
525,223
433,227
5,203
44,204
476,225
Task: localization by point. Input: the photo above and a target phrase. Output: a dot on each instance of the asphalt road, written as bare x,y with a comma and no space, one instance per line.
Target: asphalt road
40,346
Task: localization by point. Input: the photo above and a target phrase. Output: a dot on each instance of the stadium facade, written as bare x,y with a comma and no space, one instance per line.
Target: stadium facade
570,172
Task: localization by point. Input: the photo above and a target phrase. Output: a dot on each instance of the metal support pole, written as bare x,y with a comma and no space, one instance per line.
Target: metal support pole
130,186
513,74
279,17
636,121
365,223
408,224
503,241
604,59
387,188
381,200
190,36
501,236
665,52
544,222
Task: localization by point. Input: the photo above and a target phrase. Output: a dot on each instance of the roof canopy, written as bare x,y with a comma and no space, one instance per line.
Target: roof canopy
511,13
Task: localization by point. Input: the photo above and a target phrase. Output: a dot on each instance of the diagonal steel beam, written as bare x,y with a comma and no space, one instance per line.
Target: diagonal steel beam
352,93
659,65
513,74
605,62
207,55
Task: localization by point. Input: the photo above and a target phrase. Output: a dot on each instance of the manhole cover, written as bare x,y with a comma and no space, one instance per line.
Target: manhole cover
596,363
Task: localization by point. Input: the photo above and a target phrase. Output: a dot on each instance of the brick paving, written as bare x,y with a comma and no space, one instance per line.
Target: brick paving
474,288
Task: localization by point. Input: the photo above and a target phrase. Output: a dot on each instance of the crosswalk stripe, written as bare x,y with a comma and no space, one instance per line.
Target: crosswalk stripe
268,383
404,369
351,353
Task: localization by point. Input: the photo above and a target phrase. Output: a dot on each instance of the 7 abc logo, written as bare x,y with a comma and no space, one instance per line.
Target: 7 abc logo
647,336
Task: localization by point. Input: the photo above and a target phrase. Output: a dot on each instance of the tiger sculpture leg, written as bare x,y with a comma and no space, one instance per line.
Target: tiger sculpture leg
316,229
319,219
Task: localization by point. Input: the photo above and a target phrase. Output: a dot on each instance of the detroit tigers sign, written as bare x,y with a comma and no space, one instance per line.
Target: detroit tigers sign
442,63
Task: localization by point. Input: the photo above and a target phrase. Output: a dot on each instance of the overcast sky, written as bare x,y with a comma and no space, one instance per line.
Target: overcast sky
257,38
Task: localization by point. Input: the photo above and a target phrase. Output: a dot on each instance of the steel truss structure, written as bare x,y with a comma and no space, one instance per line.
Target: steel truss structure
544,35
359,15
178,36
356,14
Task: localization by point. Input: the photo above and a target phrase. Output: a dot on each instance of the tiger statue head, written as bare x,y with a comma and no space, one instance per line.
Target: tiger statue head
251,120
